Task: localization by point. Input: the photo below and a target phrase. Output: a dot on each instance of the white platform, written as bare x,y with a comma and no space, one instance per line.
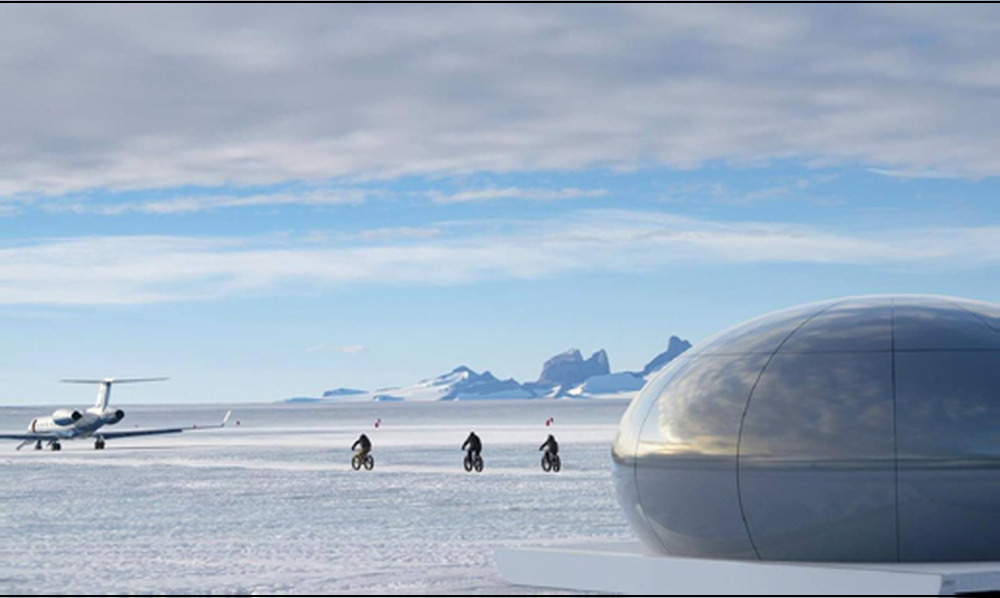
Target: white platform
625,568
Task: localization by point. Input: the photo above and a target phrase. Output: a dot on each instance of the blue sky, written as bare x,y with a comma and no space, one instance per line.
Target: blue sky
264,202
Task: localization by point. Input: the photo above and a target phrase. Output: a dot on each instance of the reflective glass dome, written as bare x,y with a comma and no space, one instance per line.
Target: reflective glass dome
864,429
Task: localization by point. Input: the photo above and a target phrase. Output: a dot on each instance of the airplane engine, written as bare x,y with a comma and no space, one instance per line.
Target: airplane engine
65,417
113,417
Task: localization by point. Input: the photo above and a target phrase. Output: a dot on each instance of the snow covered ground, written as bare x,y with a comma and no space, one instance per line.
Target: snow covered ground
272,506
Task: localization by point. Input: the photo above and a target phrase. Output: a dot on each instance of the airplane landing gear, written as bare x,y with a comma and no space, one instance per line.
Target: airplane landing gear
99,444
54,445
38,445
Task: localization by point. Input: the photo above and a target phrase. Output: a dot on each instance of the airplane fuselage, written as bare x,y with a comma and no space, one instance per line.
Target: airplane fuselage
89,422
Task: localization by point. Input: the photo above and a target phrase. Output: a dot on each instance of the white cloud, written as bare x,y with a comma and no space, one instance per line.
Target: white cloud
398,232
202,203
798,189
167,96
492,193
348,349
912,174
352,349
143,269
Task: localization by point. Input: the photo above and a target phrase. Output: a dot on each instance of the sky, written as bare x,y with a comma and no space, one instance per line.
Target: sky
264,202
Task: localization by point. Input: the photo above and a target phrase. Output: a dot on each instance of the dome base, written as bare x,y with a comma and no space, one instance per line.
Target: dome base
627,568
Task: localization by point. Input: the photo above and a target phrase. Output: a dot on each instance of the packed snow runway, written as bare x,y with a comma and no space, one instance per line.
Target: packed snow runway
272,505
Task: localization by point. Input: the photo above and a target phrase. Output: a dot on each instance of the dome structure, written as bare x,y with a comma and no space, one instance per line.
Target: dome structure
864,429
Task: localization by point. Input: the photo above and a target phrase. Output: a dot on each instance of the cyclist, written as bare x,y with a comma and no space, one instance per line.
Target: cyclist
365,446
550,446
473,445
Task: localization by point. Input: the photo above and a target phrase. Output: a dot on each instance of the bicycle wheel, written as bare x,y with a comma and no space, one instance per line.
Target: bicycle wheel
546,463
467,463
369,462
479,464
556,463
356,462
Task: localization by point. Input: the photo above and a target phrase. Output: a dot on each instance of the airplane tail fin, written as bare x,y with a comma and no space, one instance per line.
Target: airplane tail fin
104,390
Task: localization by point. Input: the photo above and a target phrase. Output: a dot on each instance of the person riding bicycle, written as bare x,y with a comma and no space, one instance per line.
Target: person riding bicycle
550,459
364,444
550,446
473,445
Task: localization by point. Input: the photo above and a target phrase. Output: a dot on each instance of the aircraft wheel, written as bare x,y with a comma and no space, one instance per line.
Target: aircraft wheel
99,444
56,446
38,445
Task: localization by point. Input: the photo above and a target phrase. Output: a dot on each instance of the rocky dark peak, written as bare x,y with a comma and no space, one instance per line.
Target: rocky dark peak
569,368
675,346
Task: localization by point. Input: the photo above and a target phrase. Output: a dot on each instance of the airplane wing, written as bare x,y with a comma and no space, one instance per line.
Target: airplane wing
149,432
25,437
154,431
122,434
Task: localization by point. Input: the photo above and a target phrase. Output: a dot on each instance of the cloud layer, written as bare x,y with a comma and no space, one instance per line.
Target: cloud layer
144,269
131,97
534,194
202,203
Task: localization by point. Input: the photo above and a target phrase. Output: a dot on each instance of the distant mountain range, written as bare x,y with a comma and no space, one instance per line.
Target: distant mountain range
566,375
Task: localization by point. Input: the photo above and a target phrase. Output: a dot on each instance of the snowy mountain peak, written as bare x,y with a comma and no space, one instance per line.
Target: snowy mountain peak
567,374
569,355
460,383
569,368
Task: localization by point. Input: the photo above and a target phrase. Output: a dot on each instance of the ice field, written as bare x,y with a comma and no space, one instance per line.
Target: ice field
272,505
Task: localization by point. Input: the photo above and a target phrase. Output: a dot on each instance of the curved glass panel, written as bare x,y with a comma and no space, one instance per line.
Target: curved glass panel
931,324
760,335
624,446
623,452
623,475
989,312
686,457
817,467
854,325
948,410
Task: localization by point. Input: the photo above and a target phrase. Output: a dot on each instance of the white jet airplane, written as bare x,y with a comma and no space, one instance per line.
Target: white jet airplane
68,424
